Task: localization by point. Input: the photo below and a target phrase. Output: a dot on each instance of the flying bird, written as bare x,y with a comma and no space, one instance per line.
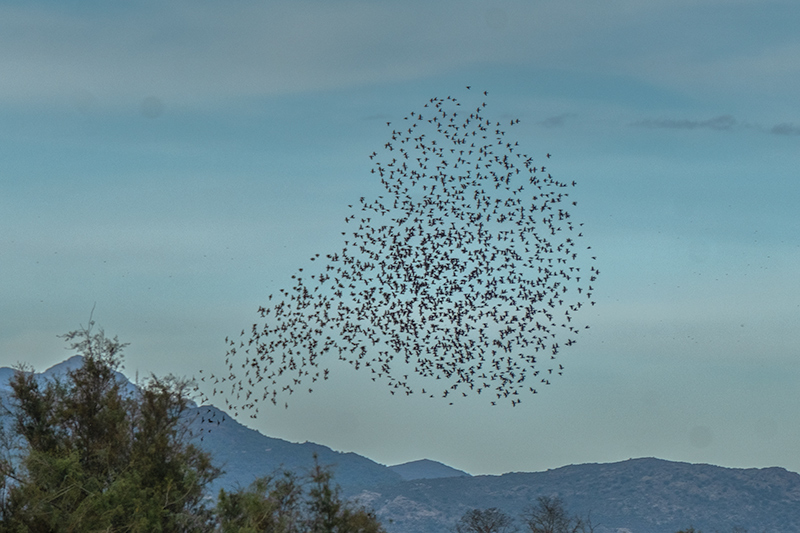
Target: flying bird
464,274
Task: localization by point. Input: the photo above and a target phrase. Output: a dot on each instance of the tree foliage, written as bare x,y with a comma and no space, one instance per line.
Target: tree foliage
547,515
91,456
87,453
287,503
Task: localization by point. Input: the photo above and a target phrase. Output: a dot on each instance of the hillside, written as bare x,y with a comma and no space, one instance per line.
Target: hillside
245,454
643,495
426,469
639,495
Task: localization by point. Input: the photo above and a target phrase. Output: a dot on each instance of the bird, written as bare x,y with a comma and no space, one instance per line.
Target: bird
465,268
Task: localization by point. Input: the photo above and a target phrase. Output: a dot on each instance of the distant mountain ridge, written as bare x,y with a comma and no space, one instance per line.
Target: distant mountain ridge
426,469
643,495
246,454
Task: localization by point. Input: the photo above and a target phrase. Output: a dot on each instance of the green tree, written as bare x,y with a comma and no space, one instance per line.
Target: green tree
94,457
288,503
491,520
270,504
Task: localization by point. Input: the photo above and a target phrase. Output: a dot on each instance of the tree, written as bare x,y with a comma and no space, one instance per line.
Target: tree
92,456
549,515
328,513
84,453
281,504
271,503
491,520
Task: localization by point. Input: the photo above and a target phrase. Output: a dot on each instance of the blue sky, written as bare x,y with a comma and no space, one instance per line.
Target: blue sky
175,162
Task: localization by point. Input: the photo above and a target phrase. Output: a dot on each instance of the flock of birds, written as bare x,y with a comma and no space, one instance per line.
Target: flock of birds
465,272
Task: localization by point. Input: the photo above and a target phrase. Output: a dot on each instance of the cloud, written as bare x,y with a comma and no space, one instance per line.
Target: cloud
379,117
186,52
785,128
556,121
722,122
189,53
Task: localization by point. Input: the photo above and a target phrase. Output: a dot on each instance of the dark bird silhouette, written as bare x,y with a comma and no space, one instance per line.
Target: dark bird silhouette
465,271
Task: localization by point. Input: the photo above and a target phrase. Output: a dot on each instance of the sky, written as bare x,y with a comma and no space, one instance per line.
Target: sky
170,164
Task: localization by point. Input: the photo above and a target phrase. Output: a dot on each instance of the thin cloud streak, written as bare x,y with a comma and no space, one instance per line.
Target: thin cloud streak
719,123
785,128
556,121
722,122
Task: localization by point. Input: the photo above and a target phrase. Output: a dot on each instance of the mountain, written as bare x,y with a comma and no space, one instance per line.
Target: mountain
636,496
59,371
644,495
426,469
245,454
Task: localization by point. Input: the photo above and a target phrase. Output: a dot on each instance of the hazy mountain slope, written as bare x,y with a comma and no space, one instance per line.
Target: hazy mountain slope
59,371
245,454
641,495
635,496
